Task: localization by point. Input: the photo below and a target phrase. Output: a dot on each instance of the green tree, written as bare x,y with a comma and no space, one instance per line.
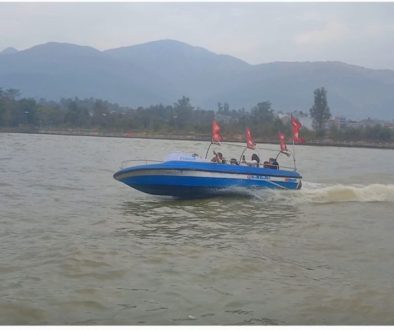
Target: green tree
9,107
377,133
260,120
226,108
3,108
262,113
27,112
183,112
320,112
76,116
100,112
49,114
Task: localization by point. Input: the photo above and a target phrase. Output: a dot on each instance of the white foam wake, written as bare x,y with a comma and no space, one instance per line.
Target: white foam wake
316,193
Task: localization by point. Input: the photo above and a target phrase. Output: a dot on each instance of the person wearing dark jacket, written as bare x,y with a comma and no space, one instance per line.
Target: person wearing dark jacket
255,160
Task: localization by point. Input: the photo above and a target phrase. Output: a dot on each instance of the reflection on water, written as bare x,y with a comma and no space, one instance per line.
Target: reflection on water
204,221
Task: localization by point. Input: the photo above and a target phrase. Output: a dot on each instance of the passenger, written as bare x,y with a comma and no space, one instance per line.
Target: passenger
275,164
215,158
272,163
218,158
255,160
233,161
243,160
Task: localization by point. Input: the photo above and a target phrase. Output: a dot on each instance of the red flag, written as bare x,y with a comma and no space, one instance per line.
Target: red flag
249,140
296,126
282,141
216,136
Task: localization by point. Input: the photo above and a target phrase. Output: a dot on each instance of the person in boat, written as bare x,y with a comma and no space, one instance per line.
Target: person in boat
233,161
243,160
255,161
272,163
218,158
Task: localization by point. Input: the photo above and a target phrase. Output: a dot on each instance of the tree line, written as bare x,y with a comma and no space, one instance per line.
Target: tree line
181,118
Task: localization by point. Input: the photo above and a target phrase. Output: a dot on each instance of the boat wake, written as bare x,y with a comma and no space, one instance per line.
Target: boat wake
324,194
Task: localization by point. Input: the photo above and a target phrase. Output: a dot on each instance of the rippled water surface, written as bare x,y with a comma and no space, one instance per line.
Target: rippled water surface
78,247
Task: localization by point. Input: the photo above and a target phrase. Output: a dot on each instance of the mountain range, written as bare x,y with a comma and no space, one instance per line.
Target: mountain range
164,71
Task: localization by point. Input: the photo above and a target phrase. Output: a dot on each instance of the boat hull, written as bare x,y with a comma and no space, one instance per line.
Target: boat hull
193,179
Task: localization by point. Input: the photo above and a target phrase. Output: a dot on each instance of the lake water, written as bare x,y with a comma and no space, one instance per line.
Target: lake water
78,247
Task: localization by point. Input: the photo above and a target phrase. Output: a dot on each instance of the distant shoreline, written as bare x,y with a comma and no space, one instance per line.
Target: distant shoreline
191,137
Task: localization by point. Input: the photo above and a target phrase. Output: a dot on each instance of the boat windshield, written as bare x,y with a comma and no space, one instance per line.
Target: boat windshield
184,157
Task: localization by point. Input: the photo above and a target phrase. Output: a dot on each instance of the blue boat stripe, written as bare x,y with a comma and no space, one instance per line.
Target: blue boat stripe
209,182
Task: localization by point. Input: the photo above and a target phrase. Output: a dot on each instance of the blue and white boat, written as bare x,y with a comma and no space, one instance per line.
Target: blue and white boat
188,175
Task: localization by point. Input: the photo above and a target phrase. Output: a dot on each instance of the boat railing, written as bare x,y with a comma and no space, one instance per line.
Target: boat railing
287,167
258,150
129,162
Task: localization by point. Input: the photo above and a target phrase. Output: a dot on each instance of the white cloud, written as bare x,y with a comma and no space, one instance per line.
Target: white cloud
379,30
329,35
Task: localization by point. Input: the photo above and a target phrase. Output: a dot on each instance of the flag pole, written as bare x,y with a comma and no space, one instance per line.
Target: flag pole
240,158
206,155
294,160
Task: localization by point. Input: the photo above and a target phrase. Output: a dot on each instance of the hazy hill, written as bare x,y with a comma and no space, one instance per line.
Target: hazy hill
9,50
190,71
56,70
164,71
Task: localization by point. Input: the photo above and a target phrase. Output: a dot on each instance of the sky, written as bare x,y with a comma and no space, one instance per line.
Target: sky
257,32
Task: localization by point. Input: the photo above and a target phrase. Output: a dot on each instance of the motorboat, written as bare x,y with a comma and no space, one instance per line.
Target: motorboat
188,175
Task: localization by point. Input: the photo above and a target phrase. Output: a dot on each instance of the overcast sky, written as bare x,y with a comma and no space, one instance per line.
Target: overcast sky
355,33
